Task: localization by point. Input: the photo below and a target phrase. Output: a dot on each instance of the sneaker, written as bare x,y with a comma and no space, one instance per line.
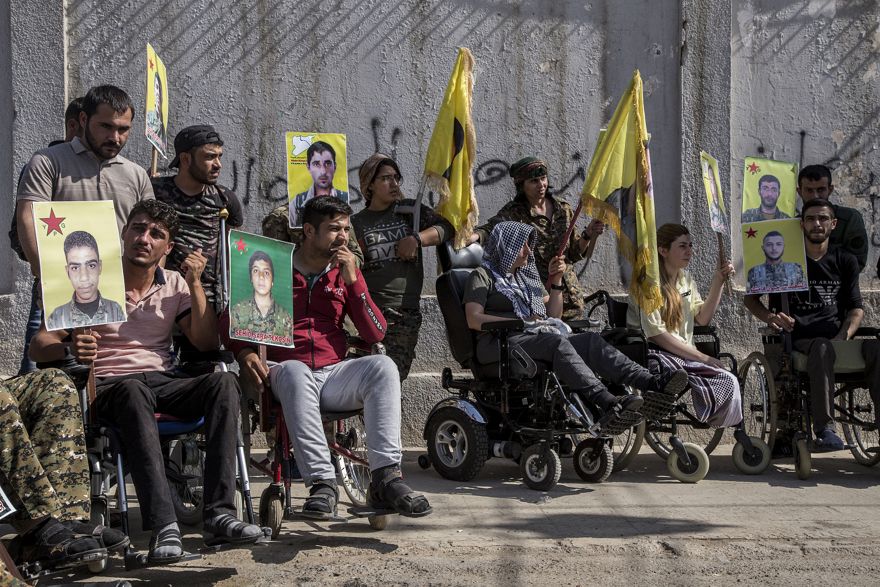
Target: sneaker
56,547
827,440
110,538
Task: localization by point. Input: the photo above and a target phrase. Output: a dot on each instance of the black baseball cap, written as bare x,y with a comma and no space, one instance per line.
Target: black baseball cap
192,137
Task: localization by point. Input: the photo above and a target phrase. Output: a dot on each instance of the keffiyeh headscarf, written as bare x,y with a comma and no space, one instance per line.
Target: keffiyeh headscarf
522,287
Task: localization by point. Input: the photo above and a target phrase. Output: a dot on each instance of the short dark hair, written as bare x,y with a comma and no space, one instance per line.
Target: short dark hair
261,256
319,147
73,109
159,212
814,173
768,179
818,203
80,238
772,233
320,208
114,97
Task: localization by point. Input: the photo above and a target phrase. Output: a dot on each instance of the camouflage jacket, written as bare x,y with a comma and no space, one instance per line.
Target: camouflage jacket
782,276
68,316
755,215
246,316
276,225
550,232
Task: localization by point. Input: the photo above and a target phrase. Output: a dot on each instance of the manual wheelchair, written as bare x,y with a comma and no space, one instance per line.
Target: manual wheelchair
513,408
676,434
779,408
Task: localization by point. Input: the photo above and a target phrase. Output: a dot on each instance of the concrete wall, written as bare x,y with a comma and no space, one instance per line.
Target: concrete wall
548,76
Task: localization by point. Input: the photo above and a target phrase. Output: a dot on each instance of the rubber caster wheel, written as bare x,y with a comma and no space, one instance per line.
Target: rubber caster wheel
378,522
802,459
541,467
424,462
752,464
593,461
692,472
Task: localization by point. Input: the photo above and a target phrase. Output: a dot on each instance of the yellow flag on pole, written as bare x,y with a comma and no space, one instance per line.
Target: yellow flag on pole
450,159
618,191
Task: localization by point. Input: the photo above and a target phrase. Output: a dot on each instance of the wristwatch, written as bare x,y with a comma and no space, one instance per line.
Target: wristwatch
559,287
585,235
418,238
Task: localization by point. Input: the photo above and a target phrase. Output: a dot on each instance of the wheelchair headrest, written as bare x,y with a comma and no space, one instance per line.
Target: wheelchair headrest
468,257
450,292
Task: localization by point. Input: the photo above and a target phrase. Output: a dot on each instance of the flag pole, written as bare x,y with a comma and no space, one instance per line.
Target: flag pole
722,257
154,163
417,212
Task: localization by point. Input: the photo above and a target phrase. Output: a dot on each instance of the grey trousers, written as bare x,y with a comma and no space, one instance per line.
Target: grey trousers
371,383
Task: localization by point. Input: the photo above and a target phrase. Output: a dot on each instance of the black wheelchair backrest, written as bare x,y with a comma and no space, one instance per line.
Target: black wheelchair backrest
450,292
616,312
468,257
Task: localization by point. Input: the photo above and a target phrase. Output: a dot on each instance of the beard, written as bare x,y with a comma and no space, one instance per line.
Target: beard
201,176
107,150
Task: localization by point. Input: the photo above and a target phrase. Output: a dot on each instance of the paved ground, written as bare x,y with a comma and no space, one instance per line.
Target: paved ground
640,527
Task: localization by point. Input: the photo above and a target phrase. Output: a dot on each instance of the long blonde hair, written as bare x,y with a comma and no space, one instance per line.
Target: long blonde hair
671,311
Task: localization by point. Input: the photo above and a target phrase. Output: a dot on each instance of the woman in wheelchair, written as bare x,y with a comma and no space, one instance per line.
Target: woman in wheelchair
508,287
714,390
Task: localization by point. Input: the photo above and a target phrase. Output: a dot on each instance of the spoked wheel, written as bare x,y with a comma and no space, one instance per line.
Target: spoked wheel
759,399
705,438
185,470
693,471
272,510
863,442
593,460
457,446
355,476
752,464
802,460
541,467
626,446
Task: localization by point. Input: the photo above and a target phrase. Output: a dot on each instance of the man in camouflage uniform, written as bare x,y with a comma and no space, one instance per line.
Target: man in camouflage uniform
261,314
774,274
550,224
44,470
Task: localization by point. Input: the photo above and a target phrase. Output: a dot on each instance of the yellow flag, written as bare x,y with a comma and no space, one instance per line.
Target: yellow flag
618,191
450,159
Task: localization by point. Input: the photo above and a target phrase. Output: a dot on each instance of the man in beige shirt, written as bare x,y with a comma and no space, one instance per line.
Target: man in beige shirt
85,169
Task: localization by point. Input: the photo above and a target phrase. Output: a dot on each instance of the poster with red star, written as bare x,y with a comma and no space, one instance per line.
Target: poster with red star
774,258
157,102
80,264
260,289
316,166
769,190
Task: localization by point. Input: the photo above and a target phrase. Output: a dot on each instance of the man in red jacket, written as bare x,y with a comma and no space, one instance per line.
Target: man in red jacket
315,375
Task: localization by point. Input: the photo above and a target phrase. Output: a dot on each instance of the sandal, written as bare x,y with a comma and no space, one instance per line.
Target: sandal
109,538
169,539
321,503
56,547
388,491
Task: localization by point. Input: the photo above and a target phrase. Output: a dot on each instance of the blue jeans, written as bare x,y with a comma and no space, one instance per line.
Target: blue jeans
35,318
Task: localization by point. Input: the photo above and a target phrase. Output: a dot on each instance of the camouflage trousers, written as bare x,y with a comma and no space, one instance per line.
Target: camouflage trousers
402,336
43,463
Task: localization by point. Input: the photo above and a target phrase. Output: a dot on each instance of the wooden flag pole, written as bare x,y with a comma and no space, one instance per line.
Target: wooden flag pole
154,163
722,258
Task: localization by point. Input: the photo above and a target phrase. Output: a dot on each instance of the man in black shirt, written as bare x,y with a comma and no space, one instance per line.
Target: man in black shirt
198,199
831,310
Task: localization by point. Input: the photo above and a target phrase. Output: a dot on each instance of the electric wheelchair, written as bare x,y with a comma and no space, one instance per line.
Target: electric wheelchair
513,408
778,408
672,431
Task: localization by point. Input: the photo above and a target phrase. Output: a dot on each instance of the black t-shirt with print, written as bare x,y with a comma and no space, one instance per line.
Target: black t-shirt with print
834,291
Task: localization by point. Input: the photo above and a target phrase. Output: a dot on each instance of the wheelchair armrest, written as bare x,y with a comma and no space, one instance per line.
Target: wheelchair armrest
867,332
502,326
707,330
617,335
579,325
598,296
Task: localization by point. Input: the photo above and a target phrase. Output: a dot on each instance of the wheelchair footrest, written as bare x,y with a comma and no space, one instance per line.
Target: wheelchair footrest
618,423
657,405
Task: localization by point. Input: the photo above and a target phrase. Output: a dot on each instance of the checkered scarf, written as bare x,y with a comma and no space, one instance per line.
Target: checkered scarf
522,287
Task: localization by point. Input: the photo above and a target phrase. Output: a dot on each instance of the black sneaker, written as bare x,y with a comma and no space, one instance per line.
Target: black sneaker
55,546
110,538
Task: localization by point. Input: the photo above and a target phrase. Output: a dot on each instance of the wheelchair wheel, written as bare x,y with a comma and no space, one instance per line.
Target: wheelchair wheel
693,472
802,459
593,460
752,464
857,402
760,404
705,438
271,510
355,476
457,446
541,467
627,445
184,469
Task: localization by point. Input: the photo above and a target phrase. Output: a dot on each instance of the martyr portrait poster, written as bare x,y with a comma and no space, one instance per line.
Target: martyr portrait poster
316,166
80,264
260,289
774,257
157,102
712,185
769,190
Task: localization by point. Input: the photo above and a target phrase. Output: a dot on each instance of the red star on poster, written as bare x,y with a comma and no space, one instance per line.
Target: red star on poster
753,168
240,245
151,65
751,233
53,223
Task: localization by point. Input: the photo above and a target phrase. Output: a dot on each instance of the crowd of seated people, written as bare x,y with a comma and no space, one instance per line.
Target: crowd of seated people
366,267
